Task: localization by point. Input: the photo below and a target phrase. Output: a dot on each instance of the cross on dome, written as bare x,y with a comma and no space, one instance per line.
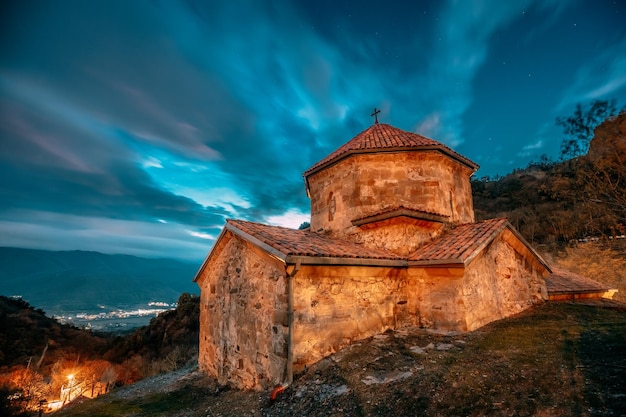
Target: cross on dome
375,114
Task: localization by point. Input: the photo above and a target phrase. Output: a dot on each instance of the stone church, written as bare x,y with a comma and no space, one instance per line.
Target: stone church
392,243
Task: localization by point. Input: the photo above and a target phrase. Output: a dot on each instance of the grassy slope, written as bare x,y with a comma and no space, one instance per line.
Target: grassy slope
559,359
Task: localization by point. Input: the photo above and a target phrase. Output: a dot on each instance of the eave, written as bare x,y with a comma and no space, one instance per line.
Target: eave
397,149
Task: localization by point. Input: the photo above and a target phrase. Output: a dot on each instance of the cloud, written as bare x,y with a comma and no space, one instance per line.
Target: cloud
55,231
460,49
600,78
182,114
532,146
201,235
430,126
527,150
166,133
292,219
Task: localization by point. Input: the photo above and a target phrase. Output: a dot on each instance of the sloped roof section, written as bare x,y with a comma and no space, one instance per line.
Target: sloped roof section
460,245
455,247
564,282
290,242
385,138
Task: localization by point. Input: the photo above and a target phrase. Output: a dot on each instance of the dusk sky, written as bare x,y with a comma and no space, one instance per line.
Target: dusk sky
138,127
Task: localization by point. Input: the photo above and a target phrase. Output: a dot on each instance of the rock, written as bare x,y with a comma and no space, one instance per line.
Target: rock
418,350
386,377
444,346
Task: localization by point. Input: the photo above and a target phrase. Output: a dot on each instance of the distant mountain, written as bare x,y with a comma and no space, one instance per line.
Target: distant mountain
79,280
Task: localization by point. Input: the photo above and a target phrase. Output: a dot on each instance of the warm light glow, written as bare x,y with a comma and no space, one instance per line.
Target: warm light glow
70,377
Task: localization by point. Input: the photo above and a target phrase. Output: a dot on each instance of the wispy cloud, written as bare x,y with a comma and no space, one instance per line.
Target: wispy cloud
530,149
181,114
293,218
460,47
603,77
201,235
57,231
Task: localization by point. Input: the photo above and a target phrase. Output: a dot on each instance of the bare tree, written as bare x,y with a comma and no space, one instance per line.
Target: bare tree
578,128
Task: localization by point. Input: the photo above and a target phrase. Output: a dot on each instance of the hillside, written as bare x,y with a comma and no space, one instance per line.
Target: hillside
553,203
558,359
37,353
25,332
77,280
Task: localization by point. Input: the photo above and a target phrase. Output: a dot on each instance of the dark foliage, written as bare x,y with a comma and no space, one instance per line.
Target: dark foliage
37,352
25,332
579,127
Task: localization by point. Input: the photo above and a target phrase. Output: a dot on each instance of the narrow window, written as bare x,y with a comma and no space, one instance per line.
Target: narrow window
331,206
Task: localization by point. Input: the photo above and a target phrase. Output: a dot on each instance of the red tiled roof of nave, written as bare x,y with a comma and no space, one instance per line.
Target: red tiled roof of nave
306,243
380,137
457,245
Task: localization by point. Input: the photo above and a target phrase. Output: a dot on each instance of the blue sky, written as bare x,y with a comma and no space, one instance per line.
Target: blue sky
138,127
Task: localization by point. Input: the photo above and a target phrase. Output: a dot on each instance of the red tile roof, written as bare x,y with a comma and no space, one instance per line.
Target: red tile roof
459,245
383,137
562,281
292,242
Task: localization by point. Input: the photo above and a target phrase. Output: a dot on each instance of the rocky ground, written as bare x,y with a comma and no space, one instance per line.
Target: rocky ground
559,359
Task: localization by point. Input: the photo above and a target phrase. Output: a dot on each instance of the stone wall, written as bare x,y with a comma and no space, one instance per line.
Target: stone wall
243,316
334,306
363,185
438,295
501,283
244,305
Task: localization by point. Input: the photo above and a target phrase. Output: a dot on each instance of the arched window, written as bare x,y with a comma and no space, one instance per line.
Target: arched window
331,206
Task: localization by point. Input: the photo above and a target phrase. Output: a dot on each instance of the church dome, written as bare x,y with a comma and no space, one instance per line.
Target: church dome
387,178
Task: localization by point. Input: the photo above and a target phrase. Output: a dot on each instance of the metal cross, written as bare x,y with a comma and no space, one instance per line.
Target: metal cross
375,114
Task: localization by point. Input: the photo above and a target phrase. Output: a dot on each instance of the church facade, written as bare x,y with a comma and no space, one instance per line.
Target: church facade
392,243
